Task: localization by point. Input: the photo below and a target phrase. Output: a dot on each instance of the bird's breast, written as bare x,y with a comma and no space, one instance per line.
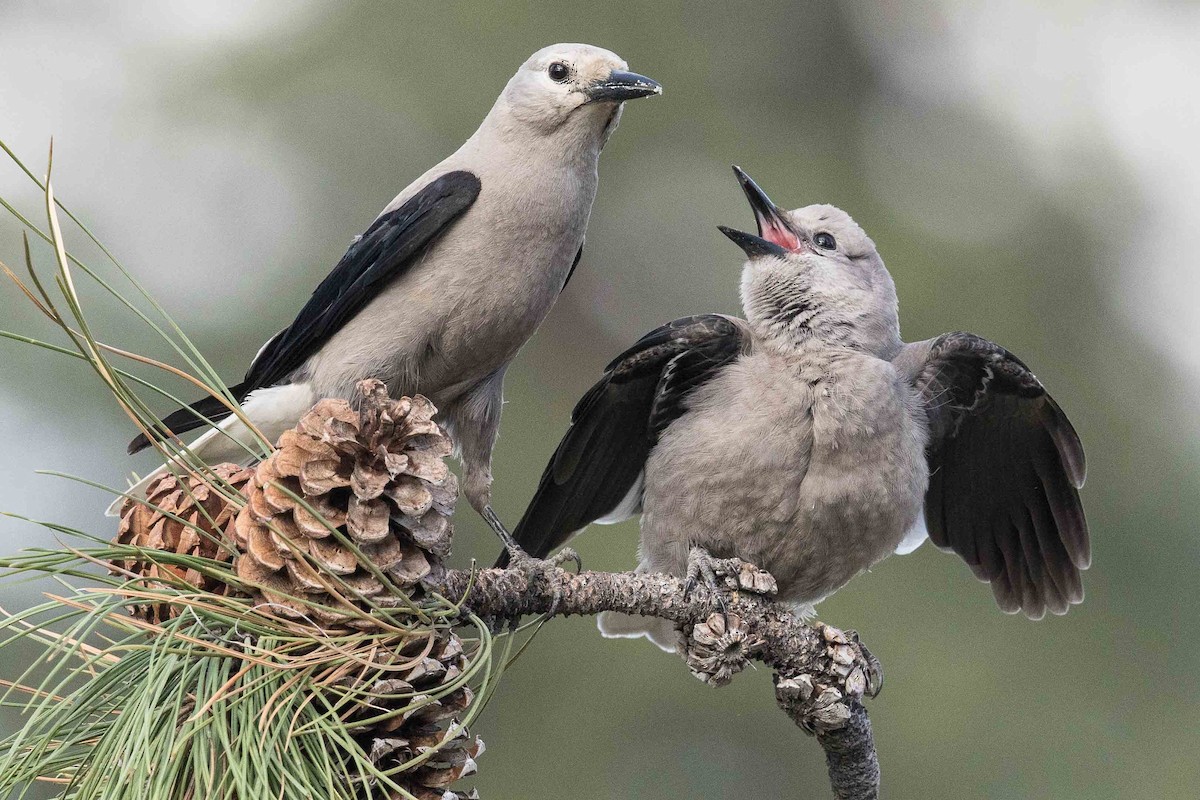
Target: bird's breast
811,473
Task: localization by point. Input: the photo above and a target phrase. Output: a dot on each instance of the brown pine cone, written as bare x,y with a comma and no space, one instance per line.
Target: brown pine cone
378,476
153,525
422,723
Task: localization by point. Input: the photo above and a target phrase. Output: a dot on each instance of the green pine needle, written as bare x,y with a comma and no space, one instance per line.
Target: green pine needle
225,699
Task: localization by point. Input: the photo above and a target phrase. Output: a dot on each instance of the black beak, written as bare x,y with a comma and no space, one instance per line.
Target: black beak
772,224
753,246
621,86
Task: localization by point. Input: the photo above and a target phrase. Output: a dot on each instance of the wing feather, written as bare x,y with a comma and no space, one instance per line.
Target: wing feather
614,426
388,248
1006,466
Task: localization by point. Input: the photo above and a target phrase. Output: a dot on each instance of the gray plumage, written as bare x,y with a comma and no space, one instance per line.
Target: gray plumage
456,273
808,439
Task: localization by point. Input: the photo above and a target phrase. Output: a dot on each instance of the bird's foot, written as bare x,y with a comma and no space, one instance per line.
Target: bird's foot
726,575
565,556
568,555
872,669
822,702
544,569
721,646
534,569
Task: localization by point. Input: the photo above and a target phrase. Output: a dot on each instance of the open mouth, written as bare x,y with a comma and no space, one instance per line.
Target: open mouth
772,225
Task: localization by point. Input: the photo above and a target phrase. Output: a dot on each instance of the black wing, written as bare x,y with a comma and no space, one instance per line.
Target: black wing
387,249
1005,471
615,424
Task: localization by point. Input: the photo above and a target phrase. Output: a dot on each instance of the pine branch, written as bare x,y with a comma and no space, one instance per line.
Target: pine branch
820,671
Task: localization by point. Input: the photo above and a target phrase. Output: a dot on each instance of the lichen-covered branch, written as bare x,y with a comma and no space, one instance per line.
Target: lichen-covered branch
821,672
850,755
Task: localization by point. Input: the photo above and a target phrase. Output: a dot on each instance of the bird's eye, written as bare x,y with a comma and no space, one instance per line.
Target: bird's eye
825,241
558,72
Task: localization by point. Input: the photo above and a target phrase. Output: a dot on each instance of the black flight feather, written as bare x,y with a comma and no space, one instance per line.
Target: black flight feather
389,247
618,421
1005,471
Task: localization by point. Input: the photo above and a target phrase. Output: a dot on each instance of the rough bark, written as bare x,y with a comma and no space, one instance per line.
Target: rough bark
820,671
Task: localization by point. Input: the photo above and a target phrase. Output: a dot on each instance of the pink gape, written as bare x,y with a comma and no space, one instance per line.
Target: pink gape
772,228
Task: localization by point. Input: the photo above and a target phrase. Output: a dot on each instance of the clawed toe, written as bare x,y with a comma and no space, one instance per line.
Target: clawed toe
873,667
568,555
539,569
715,572
726,575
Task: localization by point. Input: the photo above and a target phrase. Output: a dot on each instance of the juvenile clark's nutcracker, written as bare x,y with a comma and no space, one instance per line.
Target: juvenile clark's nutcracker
809,440
453,277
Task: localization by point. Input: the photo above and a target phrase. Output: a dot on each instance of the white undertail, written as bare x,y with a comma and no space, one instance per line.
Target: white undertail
272,411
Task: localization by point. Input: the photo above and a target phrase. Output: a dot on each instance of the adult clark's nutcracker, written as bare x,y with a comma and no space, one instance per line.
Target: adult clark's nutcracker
809,440
453,277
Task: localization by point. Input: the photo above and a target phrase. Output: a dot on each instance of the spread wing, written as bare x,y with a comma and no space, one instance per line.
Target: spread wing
1005,471
389,247
595,474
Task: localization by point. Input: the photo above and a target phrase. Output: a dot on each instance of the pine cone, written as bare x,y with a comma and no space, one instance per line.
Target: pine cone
378,474
720,647
421,723
153,525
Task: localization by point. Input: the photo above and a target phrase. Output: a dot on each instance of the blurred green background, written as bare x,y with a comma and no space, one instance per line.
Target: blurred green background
1028,173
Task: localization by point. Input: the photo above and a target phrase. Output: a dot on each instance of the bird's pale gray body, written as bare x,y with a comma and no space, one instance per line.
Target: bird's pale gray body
821,475
455,274
426,330
810,440
448,327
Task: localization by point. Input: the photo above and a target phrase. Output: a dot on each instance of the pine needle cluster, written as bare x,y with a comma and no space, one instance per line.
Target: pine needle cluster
175,665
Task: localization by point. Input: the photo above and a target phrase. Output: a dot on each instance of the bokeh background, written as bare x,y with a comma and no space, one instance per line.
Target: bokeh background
1029,171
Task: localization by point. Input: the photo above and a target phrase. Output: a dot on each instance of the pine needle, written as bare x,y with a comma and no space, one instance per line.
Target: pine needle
225,699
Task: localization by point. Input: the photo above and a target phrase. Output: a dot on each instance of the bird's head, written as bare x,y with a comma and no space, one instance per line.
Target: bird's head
573,84
813,273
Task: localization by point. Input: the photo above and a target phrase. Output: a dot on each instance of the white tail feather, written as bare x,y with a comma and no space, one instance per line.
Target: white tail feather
272,410
630,504
914,537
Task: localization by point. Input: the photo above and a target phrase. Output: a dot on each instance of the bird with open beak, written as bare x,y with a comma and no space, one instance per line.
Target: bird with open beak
810,440
451,279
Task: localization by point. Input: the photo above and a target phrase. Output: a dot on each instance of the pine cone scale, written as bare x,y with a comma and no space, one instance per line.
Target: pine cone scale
353,505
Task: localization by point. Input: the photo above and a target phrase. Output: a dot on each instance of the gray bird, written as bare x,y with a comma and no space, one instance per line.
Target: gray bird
453,277
809,440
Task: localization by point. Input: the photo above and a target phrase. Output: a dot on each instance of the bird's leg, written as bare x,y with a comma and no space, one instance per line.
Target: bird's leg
723,576
474,419
717,573
518,559
534,568
515,551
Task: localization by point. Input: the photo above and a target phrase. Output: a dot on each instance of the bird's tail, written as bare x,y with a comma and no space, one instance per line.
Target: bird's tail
615,625
208,447
188,418
272,410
